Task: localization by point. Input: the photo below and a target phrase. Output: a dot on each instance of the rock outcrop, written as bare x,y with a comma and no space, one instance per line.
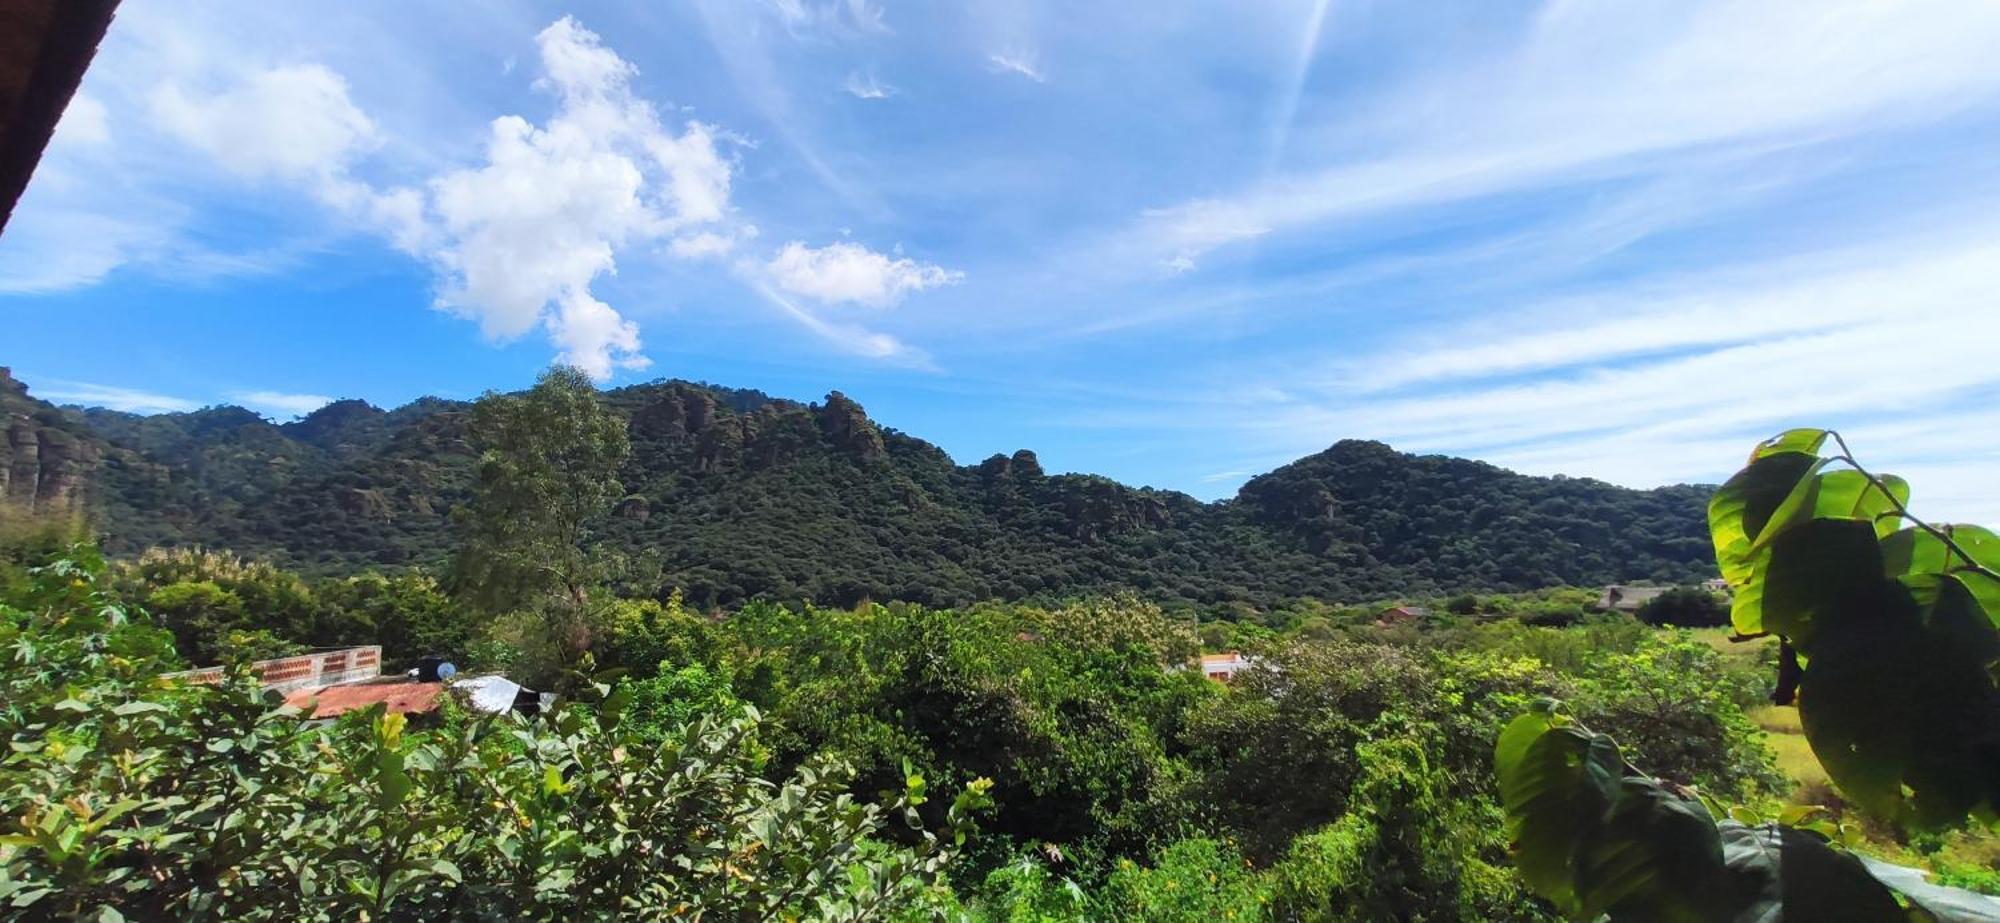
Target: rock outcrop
44,467
846,425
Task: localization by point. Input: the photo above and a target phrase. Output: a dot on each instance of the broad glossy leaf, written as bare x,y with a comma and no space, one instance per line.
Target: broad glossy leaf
1779,873
1899,701
1915,551
1844,494
1805,441
1816,567
1556,782
1737,515
1744,504
1655,857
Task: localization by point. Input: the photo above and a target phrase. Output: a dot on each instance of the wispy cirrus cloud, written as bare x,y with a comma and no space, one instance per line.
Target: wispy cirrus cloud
129,400
865,86
1673,384
1021,62
1590,93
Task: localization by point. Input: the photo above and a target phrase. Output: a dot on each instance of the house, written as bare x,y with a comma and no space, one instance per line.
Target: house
401,698
1628,598
328,684
285,674
1223,667
1718,586
1401,615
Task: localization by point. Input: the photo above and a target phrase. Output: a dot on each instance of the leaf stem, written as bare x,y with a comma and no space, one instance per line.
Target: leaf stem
1942,535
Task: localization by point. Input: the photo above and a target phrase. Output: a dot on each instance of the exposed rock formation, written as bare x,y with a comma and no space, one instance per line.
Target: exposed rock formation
43,466
847,426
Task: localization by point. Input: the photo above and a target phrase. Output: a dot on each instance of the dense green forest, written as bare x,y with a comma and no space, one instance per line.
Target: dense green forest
999,760
731,495
1347,778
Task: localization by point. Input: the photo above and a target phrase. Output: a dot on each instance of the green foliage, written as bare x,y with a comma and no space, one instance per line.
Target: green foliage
1900,694
1681,714
548,467
1598,838
1685,607
547,474
659,705
1193,880
408,614
126,797
1900,661
739,496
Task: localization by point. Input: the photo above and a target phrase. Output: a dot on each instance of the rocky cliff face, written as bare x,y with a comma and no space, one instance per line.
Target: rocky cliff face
44,467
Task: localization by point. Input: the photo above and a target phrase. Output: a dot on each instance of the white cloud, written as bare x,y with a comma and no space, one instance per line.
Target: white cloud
85,121
848,337
865,86
593,337
129,400
838,16
709,244
1021,62
523,237
279,403
293,122
1675,383
51,250
1597,91
847,272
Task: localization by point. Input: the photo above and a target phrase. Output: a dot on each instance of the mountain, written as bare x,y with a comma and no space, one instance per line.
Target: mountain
736,494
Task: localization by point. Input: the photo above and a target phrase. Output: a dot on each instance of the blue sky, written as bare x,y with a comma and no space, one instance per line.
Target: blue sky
1176,244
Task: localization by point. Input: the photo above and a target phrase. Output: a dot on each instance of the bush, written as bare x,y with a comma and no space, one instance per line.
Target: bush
1685,607
129,798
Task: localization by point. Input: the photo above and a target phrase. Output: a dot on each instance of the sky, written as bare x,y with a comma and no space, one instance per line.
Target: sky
1176,244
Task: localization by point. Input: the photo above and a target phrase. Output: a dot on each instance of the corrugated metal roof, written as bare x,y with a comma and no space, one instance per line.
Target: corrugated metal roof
333,701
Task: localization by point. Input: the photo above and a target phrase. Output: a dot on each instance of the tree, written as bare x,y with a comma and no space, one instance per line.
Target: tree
1687,607
548,472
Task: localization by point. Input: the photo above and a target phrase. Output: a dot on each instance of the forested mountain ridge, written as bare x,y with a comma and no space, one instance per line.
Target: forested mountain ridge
734,494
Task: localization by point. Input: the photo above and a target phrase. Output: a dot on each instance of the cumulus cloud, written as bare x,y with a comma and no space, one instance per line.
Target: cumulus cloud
850,273
291,122
279,403
523,237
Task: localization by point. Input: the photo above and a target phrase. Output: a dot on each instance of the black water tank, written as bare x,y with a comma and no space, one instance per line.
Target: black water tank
434,669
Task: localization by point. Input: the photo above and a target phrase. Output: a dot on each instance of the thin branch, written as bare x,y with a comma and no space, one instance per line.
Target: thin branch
1847,455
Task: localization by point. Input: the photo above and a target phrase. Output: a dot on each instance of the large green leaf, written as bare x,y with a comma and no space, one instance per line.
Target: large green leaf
1655,857
1779,873
1737,515
1814,568
1845,494
1916,551
1557,782
1805,441
1899,701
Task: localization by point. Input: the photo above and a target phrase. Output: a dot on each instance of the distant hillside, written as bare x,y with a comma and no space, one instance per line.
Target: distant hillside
735,494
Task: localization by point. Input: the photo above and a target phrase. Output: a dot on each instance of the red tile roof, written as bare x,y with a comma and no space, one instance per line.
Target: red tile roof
402,698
